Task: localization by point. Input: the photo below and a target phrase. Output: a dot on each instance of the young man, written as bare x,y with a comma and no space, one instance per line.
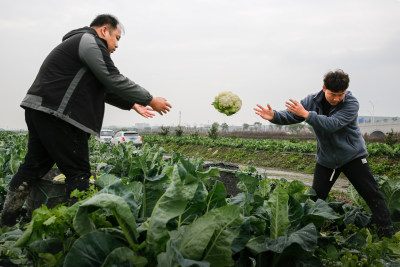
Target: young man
65,104
333,114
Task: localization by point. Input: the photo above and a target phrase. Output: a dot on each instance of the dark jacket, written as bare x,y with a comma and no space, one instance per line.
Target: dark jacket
339,138
77,78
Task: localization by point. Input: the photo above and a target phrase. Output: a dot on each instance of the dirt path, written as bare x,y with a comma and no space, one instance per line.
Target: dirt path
341,184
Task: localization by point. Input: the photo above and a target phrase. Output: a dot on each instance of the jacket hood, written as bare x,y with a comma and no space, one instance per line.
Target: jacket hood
80,30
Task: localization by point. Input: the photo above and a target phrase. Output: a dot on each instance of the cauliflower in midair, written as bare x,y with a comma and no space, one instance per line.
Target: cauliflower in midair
227,103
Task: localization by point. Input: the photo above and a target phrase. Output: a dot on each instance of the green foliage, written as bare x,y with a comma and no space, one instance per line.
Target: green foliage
391,138
149,210
179,131
164,130
213,132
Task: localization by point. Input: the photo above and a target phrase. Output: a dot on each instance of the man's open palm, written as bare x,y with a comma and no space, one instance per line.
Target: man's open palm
267,114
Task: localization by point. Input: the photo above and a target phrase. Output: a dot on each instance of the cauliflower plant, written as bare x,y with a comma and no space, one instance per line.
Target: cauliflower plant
227,103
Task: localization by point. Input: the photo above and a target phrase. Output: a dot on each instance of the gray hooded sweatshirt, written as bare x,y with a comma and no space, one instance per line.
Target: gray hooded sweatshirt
339,139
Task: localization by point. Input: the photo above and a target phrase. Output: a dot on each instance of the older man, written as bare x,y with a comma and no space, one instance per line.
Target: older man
65,104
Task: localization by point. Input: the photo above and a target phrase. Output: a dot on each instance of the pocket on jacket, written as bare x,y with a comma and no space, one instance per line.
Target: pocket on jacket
350,143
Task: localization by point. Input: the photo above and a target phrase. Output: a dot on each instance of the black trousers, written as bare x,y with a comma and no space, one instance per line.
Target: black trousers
359,174
52,140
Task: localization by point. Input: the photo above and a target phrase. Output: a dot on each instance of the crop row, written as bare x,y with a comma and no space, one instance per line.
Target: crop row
146,210
374,149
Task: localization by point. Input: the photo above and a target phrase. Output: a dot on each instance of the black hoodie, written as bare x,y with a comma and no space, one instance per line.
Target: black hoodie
77,77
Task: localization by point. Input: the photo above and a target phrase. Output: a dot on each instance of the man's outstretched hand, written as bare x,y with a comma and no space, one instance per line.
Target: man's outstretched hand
144,111
160,105
267,114
296,108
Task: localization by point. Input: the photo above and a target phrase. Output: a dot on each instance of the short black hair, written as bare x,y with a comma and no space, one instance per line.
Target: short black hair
106,19
336,81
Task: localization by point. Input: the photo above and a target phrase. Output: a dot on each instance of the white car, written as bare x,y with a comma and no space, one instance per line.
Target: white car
127,136
105,135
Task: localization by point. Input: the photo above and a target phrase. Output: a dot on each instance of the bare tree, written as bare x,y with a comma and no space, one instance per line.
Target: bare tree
257,125
224,127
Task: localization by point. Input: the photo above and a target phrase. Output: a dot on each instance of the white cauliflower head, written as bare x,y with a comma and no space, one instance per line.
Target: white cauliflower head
227,103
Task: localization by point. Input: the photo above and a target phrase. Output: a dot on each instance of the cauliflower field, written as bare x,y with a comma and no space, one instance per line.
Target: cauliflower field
146,209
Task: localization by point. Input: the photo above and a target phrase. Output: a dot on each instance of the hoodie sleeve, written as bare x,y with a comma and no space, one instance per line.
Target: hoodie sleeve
343,116
117,101
285,117
96,57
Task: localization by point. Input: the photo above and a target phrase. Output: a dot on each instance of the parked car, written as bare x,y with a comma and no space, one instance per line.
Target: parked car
105,135
127,136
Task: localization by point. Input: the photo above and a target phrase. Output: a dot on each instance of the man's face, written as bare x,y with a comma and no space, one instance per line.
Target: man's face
333,98
112,37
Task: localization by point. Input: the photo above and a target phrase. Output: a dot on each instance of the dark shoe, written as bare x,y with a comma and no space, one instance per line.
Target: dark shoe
386,231
72,201
12,206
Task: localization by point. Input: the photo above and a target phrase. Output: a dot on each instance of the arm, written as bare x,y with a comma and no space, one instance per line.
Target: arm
158,104
346,113
278,117
117,101
344,116
97,58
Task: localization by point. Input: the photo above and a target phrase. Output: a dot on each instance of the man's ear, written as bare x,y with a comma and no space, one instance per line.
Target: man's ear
103,30
323,88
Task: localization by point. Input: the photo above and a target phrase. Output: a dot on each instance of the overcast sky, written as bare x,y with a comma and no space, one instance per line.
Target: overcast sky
189,51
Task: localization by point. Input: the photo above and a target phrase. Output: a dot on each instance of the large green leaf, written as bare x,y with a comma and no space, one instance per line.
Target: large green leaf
194,238
318,212
130,193
52,245
119,208
14,163
264,188
356,199
295,212
212,172
306,238
296,190
173,258
391,192
357,216
197,205
227,221
250,182
171,204
153,189
91,250
252,226
105,180
217,196
124,256
279,219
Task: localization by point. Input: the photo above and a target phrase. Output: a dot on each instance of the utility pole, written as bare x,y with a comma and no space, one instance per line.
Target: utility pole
180,118
373,112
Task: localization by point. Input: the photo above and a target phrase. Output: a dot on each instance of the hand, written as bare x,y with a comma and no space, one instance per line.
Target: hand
160,105
296,108
267,114
144,111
